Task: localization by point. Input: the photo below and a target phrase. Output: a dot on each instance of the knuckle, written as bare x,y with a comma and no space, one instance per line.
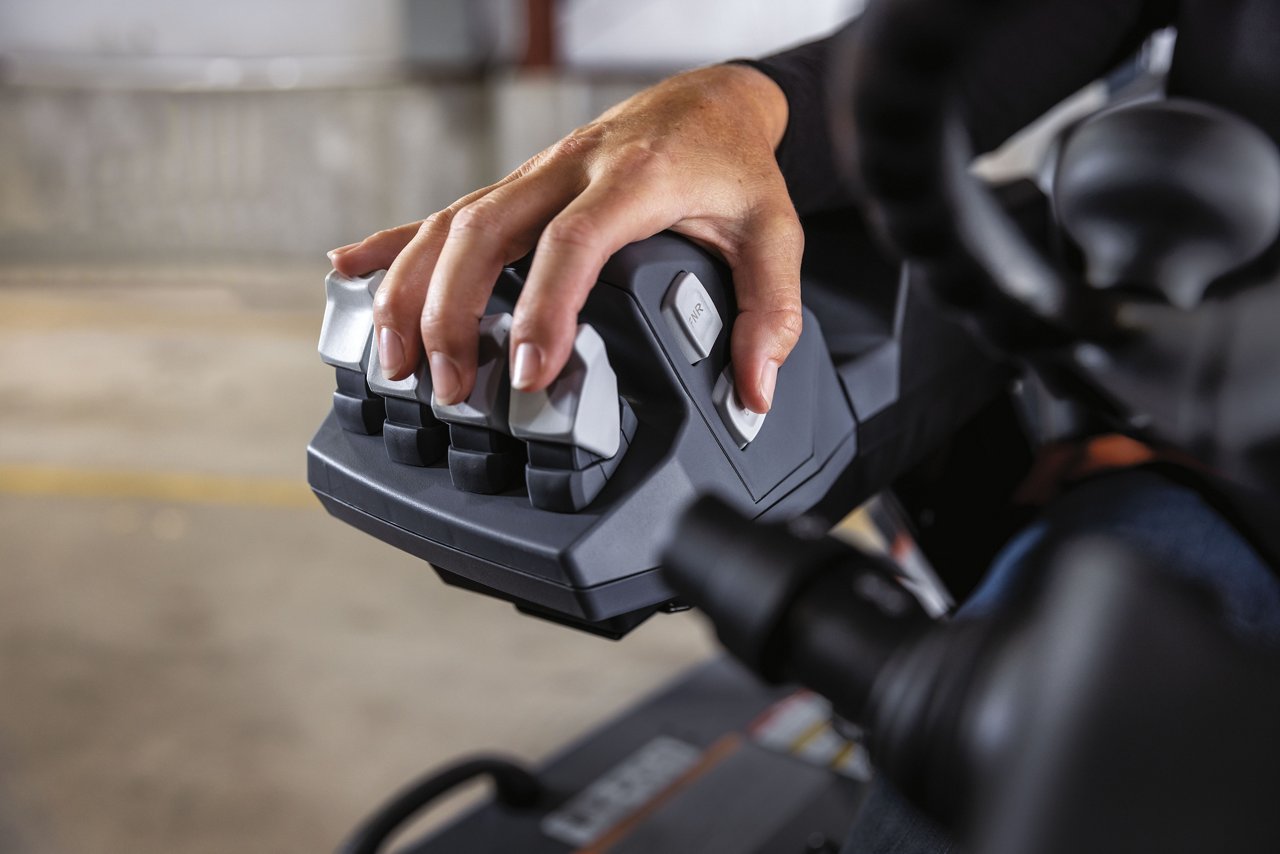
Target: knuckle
479,218
788,323
384,305
391,303
434,317
778,328
783,225
448,324
436,225
548,317
575,146
790,229
574,230
534,322
390,233
642,160
532,164
434,329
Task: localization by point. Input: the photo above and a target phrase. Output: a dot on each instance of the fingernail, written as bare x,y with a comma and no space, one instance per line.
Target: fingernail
768,382
527,365
342,249
444,377
390,351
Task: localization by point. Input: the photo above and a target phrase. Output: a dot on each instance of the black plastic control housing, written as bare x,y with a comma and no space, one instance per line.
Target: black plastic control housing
854,404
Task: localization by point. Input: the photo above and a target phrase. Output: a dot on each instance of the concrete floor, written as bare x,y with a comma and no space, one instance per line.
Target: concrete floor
193,656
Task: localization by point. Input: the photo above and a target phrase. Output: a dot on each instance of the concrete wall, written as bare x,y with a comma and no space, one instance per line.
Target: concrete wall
114,174
245,130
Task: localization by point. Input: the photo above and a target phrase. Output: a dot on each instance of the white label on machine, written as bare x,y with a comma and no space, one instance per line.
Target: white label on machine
621,792
800,725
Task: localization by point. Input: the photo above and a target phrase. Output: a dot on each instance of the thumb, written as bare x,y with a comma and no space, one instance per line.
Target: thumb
766,276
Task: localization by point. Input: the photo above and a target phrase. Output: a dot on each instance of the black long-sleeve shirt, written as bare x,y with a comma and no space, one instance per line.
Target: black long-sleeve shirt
1228,53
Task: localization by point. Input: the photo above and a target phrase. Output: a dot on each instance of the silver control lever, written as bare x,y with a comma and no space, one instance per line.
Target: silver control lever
577,430
580,408
483,458
346,337
412,433
348,319
486,406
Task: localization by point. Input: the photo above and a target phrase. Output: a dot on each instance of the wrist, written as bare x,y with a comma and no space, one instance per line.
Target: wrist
765,95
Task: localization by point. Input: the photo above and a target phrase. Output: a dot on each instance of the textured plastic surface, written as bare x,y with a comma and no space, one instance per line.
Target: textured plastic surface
412,434
570,488
358,414
358,409
415,446
485,472
788,810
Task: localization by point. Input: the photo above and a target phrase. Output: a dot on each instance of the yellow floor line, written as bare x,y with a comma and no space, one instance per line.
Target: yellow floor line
174,487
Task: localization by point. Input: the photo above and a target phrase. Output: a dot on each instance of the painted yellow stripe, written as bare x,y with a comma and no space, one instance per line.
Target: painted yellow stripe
843,756
814,730
172,487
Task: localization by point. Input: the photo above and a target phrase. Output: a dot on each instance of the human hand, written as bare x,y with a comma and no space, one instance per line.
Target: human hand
694,154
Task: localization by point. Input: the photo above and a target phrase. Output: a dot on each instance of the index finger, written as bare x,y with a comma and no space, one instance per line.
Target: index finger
572,250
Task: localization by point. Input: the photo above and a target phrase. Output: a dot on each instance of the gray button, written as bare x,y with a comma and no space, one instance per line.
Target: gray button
416,386
580,408
348,319
486,406
692,316
743,424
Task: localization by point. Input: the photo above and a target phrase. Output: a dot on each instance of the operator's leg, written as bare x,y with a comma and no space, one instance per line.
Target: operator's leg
1173,527
1170,525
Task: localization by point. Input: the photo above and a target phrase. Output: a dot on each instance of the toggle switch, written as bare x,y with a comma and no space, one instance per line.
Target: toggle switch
743,423
577,429
483,458
411,432
345,337
692,316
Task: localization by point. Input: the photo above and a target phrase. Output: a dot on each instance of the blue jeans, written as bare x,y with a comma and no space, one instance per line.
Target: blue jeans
1177,531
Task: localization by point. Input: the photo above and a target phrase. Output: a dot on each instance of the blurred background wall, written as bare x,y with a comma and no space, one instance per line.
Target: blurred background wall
279,129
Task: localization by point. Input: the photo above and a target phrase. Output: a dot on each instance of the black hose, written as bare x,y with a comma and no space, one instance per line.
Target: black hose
515,787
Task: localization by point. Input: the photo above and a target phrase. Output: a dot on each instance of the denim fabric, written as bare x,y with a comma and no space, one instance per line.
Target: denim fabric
1174,528
1177,531
888,824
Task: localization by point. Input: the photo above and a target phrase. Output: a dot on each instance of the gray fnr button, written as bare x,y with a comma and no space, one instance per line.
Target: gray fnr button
416,386
580,408
486,406
348,319
743,424
692,316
